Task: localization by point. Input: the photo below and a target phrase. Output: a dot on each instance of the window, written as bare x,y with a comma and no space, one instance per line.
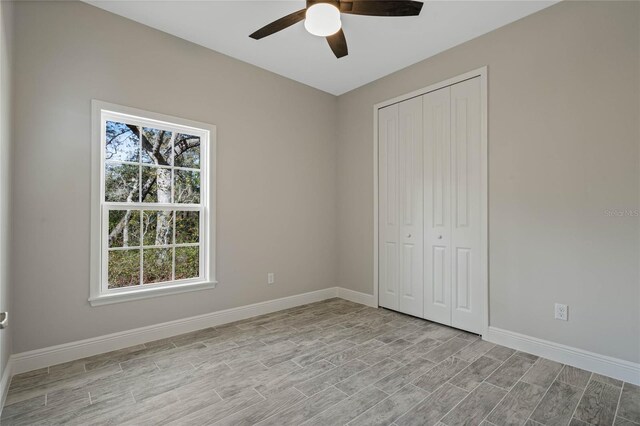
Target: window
153,207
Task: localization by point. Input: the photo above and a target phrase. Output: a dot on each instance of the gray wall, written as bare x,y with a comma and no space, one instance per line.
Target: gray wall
276,169
564,92
295,172
6,60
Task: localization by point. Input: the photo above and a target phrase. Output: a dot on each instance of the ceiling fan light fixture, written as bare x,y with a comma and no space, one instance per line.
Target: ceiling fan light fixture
323,19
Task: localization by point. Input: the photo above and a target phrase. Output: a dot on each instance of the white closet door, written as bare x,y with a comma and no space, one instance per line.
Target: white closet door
410,207
466,301
430,200
437,205
388,228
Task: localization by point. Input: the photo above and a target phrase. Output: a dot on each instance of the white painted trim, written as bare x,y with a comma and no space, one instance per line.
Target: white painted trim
376,201
5,381
39,358
484,186
484,196
144,293
357,297
613,367
449,82
98,293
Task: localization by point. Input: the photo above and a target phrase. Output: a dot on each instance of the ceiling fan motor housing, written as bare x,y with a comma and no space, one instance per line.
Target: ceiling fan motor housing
335,3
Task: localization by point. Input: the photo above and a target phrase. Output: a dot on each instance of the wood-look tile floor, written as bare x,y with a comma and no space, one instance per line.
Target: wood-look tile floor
328,363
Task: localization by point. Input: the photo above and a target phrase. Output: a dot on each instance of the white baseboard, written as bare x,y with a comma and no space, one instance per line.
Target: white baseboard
356,296
602,364
5,381
39,358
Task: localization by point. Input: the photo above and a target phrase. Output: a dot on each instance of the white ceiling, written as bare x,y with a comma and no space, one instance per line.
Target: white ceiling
377,46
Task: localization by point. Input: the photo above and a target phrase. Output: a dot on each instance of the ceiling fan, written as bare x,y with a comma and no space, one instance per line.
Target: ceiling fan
322,18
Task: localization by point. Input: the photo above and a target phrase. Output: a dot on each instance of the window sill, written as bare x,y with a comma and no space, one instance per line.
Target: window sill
107,299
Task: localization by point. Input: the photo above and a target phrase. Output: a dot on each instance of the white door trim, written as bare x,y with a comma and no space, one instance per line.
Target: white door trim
484,210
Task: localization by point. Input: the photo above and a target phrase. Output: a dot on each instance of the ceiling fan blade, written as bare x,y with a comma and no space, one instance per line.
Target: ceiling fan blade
381,7
279,24
338,44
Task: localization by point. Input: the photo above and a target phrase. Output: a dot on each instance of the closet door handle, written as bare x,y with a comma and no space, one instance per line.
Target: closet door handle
4,319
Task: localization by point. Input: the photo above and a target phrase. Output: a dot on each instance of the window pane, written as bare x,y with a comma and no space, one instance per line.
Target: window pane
149,185
187,262
157,146
122,142
121,183
186,187
157,265
187,151
157,227
124,268
187,227
156,185
124,228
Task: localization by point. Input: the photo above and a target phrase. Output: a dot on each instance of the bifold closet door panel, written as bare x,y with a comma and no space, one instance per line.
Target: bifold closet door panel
388,229
437,205
430,199
411,286
466,190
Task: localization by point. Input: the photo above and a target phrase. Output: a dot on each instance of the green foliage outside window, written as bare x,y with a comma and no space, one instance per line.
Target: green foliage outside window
152,166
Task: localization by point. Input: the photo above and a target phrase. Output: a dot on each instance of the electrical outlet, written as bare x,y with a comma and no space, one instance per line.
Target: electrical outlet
271,278
562,312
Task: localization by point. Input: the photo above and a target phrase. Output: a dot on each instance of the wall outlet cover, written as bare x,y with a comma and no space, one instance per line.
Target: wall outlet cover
561,312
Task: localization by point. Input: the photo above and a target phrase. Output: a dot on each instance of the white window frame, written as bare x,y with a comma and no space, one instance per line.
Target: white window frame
99,293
